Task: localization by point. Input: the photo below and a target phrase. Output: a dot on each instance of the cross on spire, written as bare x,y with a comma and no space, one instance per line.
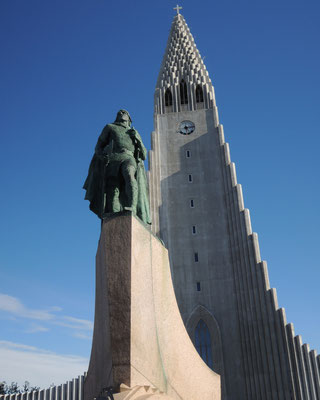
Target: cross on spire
177,8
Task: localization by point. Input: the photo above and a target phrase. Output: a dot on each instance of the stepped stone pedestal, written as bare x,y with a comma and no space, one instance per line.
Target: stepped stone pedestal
139,338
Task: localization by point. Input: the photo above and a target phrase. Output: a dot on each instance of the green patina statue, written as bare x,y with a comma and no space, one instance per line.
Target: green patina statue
117,180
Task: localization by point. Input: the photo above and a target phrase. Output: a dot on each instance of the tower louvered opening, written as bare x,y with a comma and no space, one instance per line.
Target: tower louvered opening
199,94
183,92
168,98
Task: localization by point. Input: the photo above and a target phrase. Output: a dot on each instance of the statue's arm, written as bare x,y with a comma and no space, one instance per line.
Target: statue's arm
139,143
143,151
103,141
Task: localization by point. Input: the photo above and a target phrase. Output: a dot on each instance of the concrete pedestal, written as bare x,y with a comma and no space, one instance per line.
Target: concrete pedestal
139,338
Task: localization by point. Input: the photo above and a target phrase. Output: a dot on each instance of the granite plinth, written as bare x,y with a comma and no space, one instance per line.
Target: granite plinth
139,337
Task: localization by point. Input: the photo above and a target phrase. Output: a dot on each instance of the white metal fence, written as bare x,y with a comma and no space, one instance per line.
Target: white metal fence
71,390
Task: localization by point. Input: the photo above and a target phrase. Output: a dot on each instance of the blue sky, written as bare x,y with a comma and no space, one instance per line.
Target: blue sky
67,67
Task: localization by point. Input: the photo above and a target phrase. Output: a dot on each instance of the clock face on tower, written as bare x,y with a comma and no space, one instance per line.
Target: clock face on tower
186,127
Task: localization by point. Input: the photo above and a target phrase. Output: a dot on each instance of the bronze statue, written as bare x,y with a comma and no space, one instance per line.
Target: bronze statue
116,179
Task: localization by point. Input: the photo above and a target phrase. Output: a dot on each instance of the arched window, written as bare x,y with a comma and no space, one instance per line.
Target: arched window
183,92
168,98
203,342
199,94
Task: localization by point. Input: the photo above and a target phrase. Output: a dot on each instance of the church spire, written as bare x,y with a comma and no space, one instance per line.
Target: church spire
183,82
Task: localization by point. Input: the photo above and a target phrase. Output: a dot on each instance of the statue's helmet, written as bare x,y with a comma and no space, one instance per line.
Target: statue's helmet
121,113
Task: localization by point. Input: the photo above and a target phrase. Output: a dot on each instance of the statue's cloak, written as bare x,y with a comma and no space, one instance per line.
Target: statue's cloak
143,209
95,189
94,186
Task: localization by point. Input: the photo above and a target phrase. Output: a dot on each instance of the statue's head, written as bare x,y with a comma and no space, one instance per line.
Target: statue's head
124,117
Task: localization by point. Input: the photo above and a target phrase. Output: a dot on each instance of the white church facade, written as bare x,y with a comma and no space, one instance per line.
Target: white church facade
220,281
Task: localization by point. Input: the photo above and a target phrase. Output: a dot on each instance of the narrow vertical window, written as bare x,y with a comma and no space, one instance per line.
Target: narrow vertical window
198,287
188,153
190,178
199,94
183,92
196,257
203,342
194,231
168,98
191,203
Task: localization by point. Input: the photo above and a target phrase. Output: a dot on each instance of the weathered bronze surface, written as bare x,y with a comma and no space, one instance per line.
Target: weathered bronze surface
117,179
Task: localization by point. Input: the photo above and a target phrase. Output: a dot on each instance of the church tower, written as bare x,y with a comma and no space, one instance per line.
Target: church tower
221,284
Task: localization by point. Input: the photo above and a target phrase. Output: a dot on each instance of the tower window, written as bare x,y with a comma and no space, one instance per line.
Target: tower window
190,178
183,92
203,342
168,98
188,154
194,230
198,287
199,94
196,257
191,203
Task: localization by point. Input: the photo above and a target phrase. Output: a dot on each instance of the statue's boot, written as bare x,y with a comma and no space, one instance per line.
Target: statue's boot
113,202
132,196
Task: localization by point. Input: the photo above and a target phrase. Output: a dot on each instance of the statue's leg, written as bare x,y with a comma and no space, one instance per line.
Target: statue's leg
113,201
128,170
